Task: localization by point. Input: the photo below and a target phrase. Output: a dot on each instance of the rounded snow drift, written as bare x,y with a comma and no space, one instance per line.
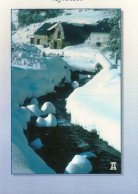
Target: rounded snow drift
40,122
48,108
49,121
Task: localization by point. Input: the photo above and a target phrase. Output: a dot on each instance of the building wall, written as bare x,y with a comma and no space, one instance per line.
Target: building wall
42,38
55,35
57,41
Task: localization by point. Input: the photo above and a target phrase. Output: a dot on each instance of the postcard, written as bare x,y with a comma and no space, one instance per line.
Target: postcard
68,103
66,91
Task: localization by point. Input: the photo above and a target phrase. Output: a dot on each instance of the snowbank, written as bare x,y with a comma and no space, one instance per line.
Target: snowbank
98,104
24,159
32,81
28,82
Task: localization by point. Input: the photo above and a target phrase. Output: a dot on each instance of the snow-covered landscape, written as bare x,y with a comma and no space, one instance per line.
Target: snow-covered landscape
66,102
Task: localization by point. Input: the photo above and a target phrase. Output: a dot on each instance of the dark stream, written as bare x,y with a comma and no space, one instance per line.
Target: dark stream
63,142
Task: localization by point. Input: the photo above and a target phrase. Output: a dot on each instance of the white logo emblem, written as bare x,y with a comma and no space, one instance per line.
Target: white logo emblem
113,166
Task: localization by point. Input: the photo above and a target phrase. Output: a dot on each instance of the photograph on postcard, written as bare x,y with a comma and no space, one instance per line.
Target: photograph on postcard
66,91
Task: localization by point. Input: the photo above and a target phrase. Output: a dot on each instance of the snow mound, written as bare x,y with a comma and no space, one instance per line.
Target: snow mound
79,165
36,144
49,121
34,110
48,108
98,104
34,101
75,84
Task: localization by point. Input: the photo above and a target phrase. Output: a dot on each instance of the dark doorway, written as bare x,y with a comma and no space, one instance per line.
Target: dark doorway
32,40
58,36
38,41
55,45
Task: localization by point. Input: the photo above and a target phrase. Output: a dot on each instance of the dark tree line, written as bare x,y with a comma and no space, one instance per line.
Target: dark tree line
29,16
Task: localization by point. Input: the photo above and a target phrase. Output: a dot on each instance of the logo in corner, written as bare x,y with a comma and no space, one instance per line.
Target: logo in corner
113,166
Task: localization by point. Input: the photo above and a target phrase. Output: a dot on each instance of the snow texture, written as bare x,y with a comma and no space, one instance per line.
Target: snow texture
78,165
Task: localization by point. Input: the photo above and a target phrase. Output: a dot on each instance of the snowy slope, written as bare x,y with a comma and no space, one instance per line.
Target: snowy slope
81,16
23,34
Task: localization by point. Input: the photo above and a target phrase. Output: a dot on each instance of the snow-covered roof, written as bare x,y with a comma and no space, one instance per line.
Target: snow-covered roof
52,27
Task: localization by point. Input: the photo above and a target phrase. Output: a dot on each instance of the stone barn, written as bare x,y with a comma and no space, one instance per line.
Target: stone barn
62,34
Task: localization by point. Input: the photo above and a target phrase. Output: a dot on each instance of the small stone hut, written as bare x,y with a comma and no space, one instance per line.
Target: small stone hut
62,34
